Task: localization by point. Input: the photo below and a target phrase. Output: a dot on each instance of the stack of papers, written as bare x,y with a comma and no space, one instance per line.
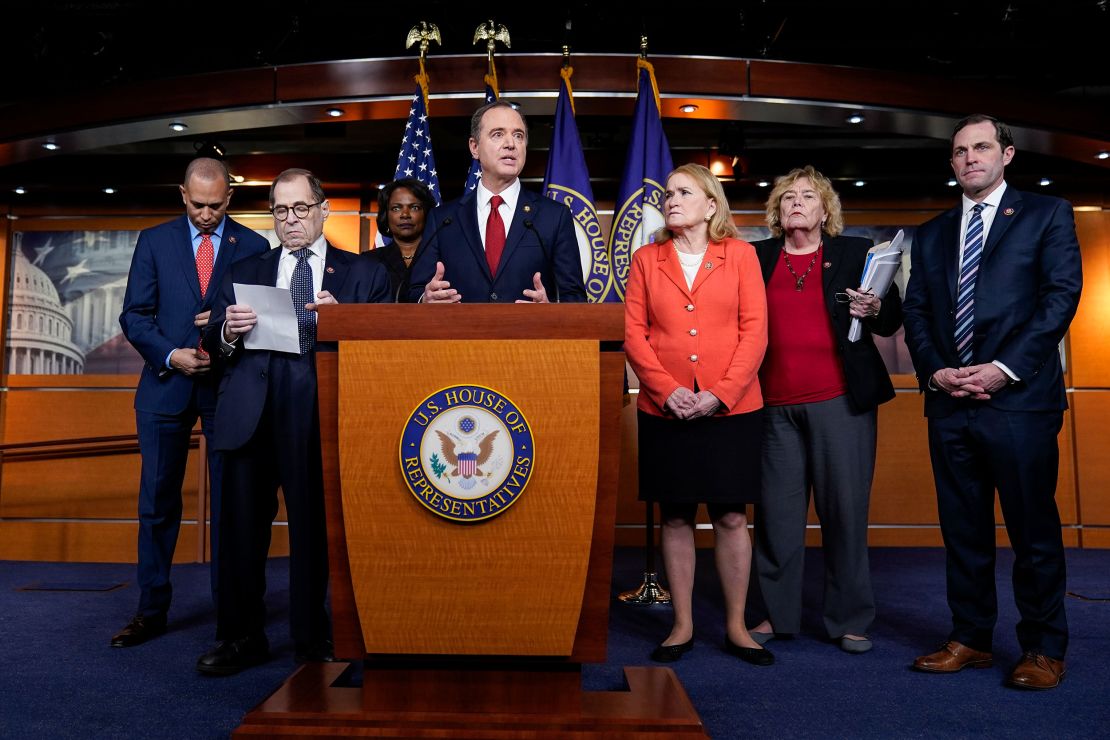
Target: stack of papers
883,261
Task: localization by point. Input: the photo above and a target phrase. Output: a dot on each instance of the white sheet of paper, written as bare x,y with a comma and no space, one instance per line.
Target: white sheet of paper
277,321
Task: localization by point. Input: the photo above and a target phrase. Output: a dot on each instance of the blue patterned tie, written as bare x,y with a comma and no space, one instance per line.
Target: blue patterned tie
300,287
965,292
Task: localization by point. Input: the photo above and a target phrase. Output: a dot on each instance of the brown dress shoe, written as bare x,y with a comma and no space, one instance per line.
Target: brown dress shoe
139,630
1036,671
952,656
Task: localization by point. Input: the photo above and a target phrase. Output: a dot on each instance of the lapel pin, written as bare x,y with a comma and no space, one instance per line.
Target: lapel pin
231,240
709,265
527,209
826,265
329,269
1008,212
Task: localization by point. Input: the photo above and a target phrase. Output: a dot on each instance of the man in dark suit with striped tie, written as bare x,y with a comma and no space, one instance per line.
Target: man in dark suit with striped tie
175,271
993,287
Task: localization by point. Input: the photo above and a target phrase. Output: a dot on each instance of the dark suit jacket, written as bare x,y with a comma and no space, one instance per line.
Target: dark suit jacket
390,257
163,296
866,375
1026,294
549,247
351,278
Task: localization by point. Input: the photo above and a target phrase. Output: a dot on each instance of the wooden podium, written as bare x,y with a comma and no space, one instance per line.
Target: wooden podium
471,456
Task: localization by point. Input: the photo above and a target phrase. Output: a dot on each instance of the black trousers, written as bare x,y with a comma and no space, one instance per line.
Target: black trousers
285,452
974,451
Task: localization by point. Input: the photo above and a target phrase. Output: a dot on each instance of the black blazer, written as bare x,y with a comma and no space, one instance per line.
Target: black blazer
1026,294
540,239
867,377
351,278
390,257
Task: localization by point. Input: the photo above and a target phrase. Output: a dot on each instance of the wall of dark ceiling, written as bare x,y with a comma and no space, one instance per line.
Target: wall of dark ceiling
57,48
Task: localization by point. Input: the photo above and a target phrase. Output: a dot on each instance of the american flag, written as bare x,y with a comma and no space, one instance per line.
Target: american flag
475,173
415,158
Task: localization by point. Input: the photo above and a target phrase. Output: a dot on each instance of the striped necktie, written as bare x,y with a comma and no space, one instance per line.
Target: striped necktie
965,292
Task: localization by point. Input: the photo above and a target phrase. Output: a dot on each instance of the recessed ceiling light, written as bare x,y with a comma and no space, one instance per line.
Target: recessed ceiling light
515,105
1044,182
178,126
381,186
688,108
859,183
763,183
952,182
334,112
109,191
1103,155
50,146
20,190
855,118
238,178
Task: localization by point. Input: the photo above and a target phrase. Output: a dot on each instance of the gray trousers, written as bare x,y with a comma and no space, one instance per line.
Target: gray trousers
829,449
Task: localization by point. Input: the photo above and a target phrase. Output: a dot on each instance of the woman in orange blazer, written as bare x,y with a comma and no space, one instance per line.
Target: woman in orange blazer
695,333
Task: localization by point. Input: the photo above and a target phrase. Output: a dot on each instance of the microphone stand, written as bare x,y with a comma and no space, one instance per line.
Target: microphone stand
650,591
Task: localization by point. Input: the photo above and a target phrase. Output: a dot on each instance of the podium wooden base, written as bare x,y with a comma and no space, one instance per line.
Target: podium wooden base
446,703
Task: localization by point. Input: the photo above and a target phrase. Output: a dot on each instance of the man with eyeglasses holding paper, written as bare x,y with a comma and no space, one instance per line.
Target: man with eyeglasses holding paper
267,424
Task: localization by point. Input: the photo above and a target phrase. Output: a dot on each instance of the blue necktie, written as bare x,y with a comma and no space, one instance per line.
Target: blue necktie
300,287
965,292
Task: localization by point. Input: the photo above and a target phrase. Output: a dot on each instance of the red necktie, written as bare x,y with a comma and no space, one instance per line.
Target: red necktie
205,257
495,234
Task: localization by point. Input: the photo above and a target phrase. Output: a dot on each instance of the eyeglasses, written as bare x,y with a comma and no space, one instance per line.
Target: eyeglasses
845,298
300,210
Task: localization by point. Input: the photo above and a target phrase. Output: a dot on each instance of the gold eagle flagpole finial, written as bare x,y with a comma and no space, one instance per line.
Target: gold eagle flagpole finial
424,33
491,33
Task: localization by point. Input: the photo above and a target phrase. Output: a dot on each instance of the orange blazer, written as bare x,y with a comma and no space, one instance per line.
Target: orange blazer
713,334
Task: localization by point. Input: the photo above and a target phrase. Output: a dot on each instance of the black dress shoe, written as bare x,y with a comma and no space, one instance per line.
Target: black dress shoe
139,630
323,652
232,656
755,656
671,653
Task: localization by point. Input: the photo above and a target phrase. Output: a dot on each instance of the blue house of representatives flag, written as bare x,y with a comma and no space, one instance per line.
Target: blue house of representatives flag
567,181
475,173
639,208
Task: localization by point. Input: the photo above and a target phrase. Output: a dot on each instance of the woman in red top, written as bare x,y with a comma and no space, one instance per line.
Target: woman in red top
695,332
821,394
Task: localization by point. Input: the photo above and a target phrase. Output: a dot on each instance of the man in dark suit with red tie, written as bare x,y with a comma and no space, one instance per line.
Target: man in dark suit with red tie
993,287
170,291
268,426
499,243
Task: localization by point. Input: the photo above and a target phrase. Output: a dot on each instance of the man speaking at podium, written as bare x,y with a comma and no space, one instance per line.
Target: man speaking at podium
499,243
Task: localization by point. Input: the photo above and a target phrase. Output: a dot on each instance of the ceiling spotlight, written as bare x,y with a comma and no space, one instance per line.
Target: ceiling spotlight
1044,182
20,190
688,108
381,186
859,183
238,178
50,146
515,105
109,191
334,112
1103,155
763,183
952,182
855,118
178,126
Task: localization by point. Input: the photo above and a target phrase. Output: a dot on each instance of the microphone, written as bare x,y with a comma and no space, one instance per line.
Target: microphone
546,255
424,245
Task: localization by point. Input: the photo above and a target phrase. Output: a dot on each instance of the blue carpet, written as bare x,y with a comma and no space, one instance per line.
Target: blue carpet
60,679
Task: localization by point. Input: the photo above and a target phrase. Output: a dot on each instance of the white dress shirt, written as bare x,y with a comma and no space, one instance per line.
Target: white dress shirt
288,260
510,195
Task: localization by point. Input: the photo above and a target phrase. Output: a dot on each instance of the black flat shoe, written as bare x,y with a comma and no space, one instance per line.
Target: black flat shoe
671,653
755,656
232,656
139,630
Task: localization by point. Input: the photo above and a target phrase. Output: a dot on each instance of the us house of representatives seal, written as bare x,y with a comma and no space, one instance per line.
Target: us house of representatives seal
467,453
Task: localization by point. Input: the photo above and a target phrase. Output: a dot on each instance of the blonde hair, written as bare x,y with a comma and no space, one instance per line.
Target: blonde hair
720,223
830,201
